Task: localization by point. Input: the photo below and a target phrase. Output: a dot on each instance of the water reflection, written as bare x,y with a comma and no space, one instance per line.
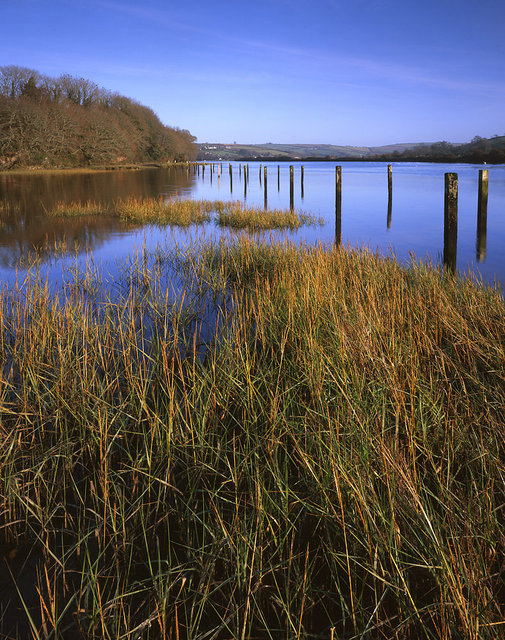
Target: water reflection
26,230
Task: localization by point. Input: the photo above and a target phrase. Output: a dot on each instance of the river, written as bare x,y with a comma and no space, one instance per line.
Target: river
411,222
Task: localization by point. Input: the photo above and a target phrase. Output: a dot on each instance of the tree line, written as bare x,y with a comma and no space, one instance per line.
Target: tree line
478,150
69,121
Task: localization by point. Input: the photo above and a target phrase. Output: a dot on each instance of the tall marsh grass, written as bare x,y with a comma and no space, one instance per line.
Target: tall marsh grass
332,465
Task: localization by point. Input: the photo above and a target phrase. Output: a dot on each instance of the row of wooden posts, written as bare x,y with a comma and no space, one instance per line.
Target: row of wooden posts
218,168
450,203
451,217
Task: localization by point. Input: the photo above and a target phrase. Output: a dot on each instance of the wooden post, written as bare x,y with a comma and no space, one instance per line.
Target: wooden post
291,187
278,178
451,220
239,170
245,183
231,179
260,174
482,215
390,195
265,185
338,205
301,181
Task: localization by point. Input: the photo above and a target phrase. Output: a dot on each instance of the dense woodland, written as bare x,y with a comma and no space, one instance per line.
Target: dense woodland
68,121
480,149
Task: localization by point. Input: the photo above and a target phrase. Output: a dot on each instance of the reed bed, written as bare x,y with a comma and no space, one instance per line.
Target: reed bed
330,465
185,212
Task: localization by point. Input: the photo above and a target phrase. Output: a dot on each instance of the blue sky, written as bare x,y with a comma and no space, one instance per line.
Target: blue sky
359,72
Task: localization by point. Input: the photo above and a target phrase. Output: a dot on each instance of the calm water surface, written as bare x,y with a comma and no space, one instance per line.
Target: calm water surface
413,224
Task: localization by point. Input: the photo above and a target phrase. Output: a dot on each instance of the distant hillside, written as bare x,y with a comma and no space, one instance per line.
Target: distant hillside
479,149
215,151
69,121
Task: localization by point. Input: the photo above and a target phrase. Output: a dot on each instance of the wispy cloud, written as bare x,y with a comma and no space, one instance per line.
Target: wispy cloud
159,17
336,67
377,68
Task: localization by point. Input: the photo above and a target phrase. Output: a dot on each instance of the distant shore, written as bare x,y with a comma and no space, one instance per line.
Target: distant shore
88,169
380,159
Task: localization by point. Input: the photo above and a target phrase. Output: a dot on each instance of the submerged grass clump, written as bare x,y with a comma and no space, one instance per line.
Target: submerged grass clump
161,210
333,467
239,216
75,209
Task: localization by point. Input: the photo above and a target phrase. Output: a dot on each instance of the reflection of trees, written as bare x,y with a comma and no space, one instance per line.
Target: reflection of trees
20,249
27,230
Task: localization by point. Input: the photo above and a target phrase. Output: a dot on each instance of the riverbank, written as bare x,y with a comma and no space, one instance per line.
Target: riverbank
87,169
330,465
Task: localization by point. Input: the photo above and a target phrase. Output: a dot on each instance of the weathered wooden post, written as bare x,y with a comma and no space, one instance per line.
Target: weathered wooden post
245,184
301,181
265,185
451,220
260,174
390,195
239,169
291,187
338,204
482,215
231,178
278,178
